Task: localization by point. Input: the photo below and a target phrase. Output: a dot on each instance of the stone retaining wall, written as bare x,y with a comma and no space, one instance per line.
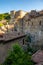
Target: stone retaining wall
5,47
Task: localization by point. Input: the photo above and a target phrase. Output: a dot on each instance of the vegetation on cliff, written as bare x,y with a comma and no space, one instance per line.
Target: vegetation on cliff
5,16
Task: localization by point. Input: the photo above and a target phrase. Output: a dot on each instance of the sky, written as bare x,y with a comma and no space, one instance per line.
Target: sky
26,5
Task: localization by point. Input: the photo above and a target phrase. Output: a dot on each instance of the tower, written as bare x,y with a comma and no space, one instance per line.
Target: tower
12,14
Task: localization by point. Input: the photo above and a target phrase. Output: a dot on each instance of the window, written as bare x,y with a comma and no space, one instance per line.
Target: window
32,23
40,23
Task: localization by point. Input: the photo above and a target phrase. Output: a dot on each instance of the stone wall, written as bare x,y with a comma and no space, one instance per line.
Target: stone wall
24,20
5,47
33,24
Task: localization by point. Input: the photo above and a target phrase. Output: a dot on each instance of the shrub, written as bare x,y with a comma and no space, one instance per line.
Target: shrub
17,56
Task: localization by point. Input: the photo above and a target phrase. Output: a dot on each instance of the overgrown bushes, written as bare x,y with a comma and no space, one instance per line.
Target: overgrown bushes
17,56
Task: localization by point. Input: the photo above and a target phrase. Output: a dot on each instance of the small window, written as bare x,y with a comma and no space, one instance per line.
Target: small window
40,23
32,23
28,19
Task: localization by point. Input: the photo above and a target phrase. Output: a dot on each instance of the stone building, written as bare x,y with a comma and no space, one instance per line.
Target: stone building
16,18
34,26
12,14
29,22
41,12
34,13
26,20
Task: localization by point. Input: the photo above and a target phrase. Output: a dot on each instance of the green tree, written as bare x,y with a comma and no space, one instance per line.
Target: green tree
7,17
28,38
1,17
1,24
17,56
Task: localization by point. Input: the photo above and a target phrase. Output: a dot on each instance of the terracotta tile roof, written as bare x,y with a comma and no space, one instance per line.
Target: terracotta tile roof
38,56
41,63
